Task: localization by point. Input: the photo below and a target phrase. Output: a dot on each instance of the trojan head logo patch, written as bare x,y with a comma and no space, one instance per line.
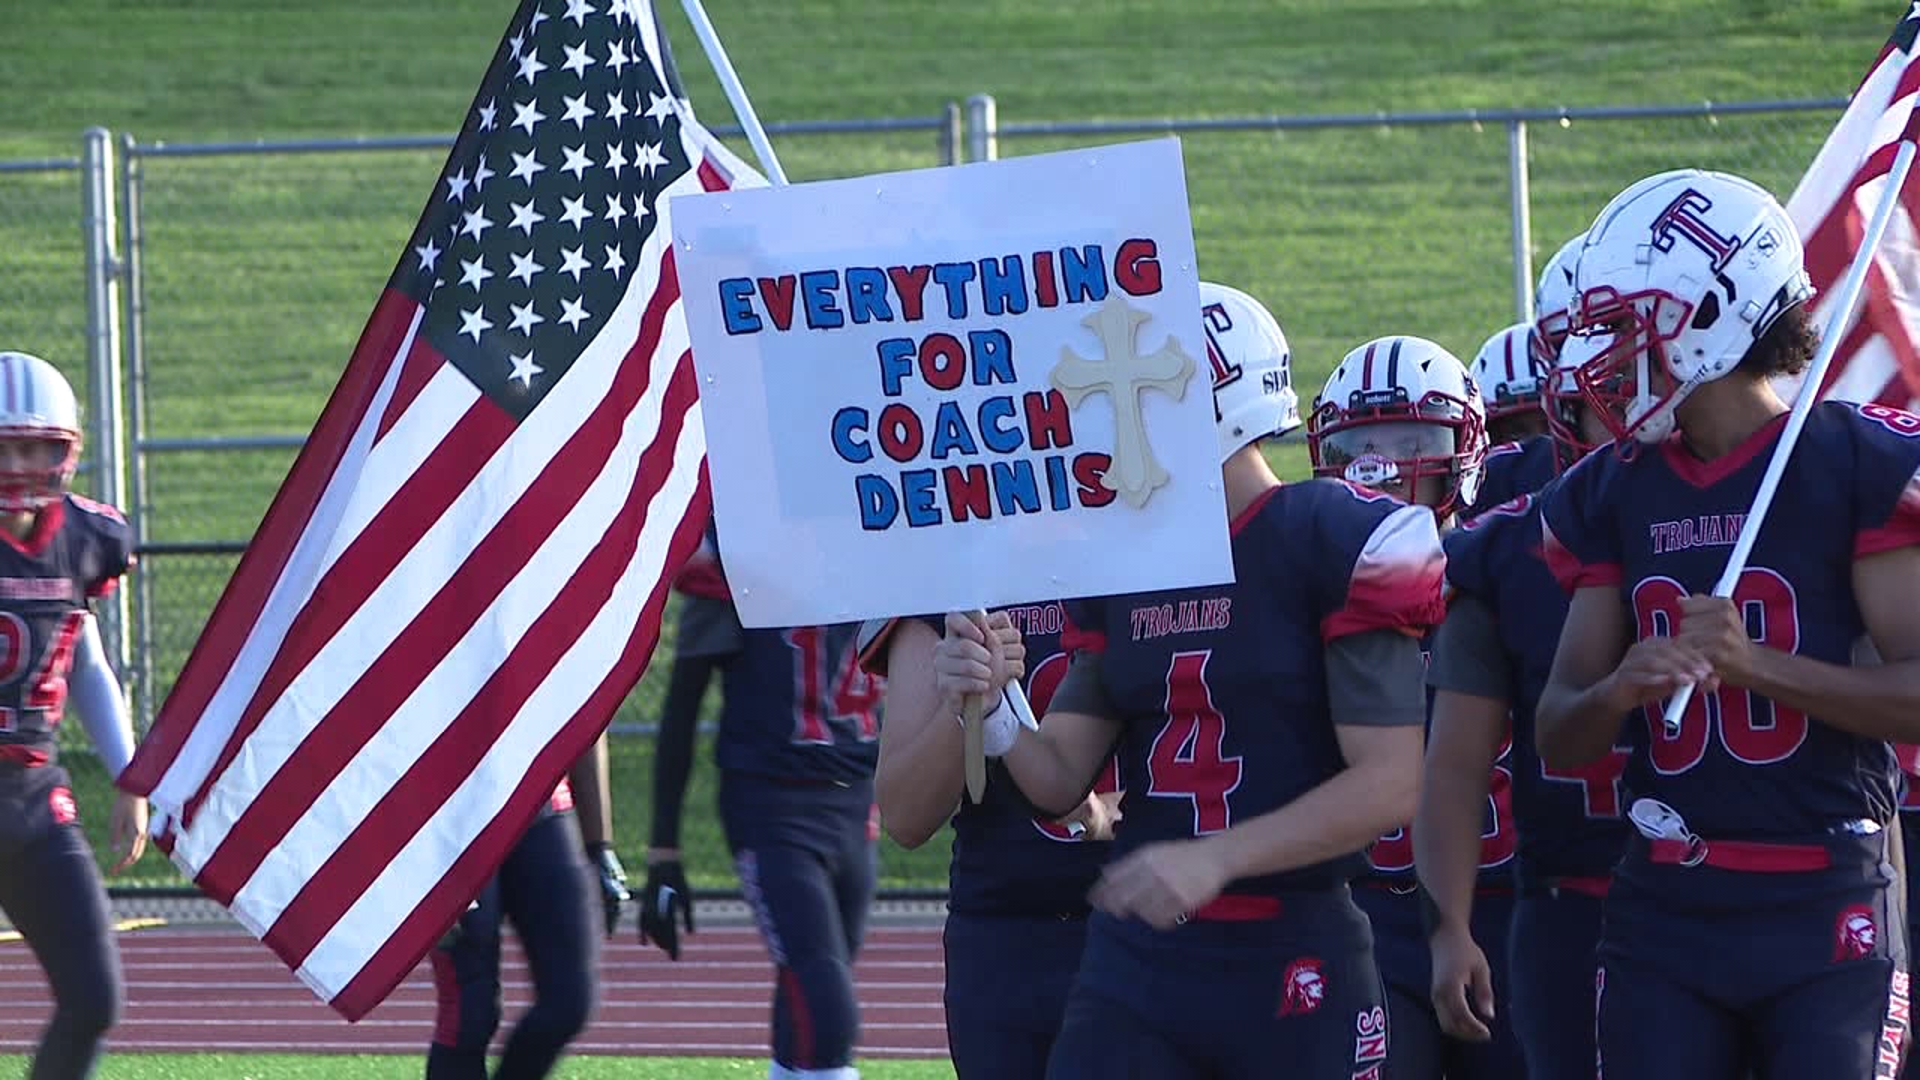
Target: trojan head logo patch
60,801
1305,988
1854,933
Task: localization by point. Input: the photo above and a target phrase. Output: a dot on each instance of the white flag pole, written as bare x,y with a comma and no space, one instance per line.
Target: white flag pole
975,759
736,93
1846,301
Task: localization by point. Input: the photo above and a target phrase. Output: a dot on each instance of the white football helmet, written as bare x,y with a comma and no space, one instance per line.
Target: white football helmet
1563,400
1687,269
1252,368
1510,370
1553,297
1397,409
37,405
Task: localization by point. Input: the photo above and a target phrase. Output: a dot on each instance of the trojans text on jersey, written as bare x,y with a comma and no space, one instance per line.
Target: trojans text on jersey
1185,617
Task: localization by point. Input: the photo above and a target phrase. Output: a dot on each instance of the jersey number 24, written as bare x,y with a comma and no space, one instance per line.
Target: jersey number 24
46,688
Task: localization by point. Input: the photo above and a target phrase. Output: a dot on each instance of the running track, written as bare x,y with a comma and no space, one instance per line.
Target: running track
213,989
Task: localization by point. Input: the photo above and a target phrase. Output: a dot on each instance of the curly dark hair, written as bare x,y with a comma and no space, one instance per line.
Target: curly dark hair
1786,348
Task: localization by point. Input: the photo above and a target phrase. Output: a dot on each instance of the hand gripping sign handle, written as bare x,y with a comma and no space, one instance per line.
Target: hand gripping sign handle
736,93
1845,301
976,731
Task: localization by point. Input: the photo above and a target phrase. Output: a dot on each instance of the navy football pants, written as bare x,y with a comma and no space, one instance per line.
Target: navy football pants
1814,986
1420,1050
1294,996
1552,960
1007,984
50,890
805,856
543,889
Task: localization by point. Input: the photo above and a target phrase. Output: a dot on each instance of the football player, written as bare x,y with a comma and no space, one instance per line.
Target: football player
1510,369
796,750
61,552
1750,923
1400,415
1490,659
545,889
1519,467
1267,731
1017,907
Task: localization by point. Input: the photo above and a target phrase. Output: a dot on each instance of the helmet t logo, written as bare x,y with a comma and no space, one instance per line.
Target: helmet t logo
1682,219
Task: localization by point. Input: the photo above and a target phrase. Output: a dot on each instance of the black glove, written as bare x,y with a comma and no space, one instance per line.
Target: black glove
665,898
613,882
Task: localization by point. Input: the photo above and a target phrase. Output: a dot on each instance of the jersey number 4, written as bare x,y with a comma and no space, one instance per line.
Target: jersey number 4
46,690
1754,729
1188,759
852,698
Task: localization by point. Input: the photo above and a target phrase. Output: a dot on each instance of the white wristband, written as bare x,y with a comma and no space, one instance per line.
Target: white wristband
1002,731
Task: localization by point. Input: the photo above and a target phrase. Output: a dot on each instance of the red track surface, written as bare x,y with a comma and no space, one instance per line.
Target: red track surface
221,990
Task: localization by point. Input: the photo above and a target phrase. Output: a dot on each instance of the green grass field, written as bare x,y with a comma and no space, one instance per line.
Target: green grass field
260,270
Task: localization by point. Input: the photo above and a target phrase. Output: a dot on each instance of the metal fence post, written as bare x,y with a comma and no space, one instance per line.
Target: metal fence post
983,128
953,135
108,420
1521,201
138,507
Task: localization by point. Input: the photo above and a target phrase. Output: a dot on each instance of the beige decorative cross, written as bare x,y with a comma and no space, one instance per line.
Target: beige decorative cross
1122,376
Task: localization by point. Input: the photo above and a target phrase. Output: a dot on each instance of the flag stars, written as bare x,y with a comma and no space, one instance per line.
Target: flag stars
474,222
577,161
525,217
524,369
524,317
659,106
578,111
616,158
617,107
525,166
616,210
617,57
577,60
457,186
429,254
489,114
650,158
474,323
578,10
574,314
474,272
573,211
530,66
616,262
527,115
481,174
524,268
572,263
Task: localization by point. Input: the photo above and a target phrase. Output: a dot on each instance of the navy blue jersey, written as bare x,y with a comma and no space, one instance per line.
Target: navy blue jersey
77,550
1569,820
1515,469
1658,525
798,706
1390,858
1223,690
1006,859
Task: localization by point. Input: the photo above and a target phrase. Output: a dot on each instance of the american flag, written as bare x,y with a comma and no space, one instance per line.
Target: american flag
463,574
1877,358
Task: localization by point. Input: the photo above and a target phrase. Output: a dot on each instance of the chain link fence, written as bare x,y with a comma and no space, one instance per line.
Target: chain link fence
251,268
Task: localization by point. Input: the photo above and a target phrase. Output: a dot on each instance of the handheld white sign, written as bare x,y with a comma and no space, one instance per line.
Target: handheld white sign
957,387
